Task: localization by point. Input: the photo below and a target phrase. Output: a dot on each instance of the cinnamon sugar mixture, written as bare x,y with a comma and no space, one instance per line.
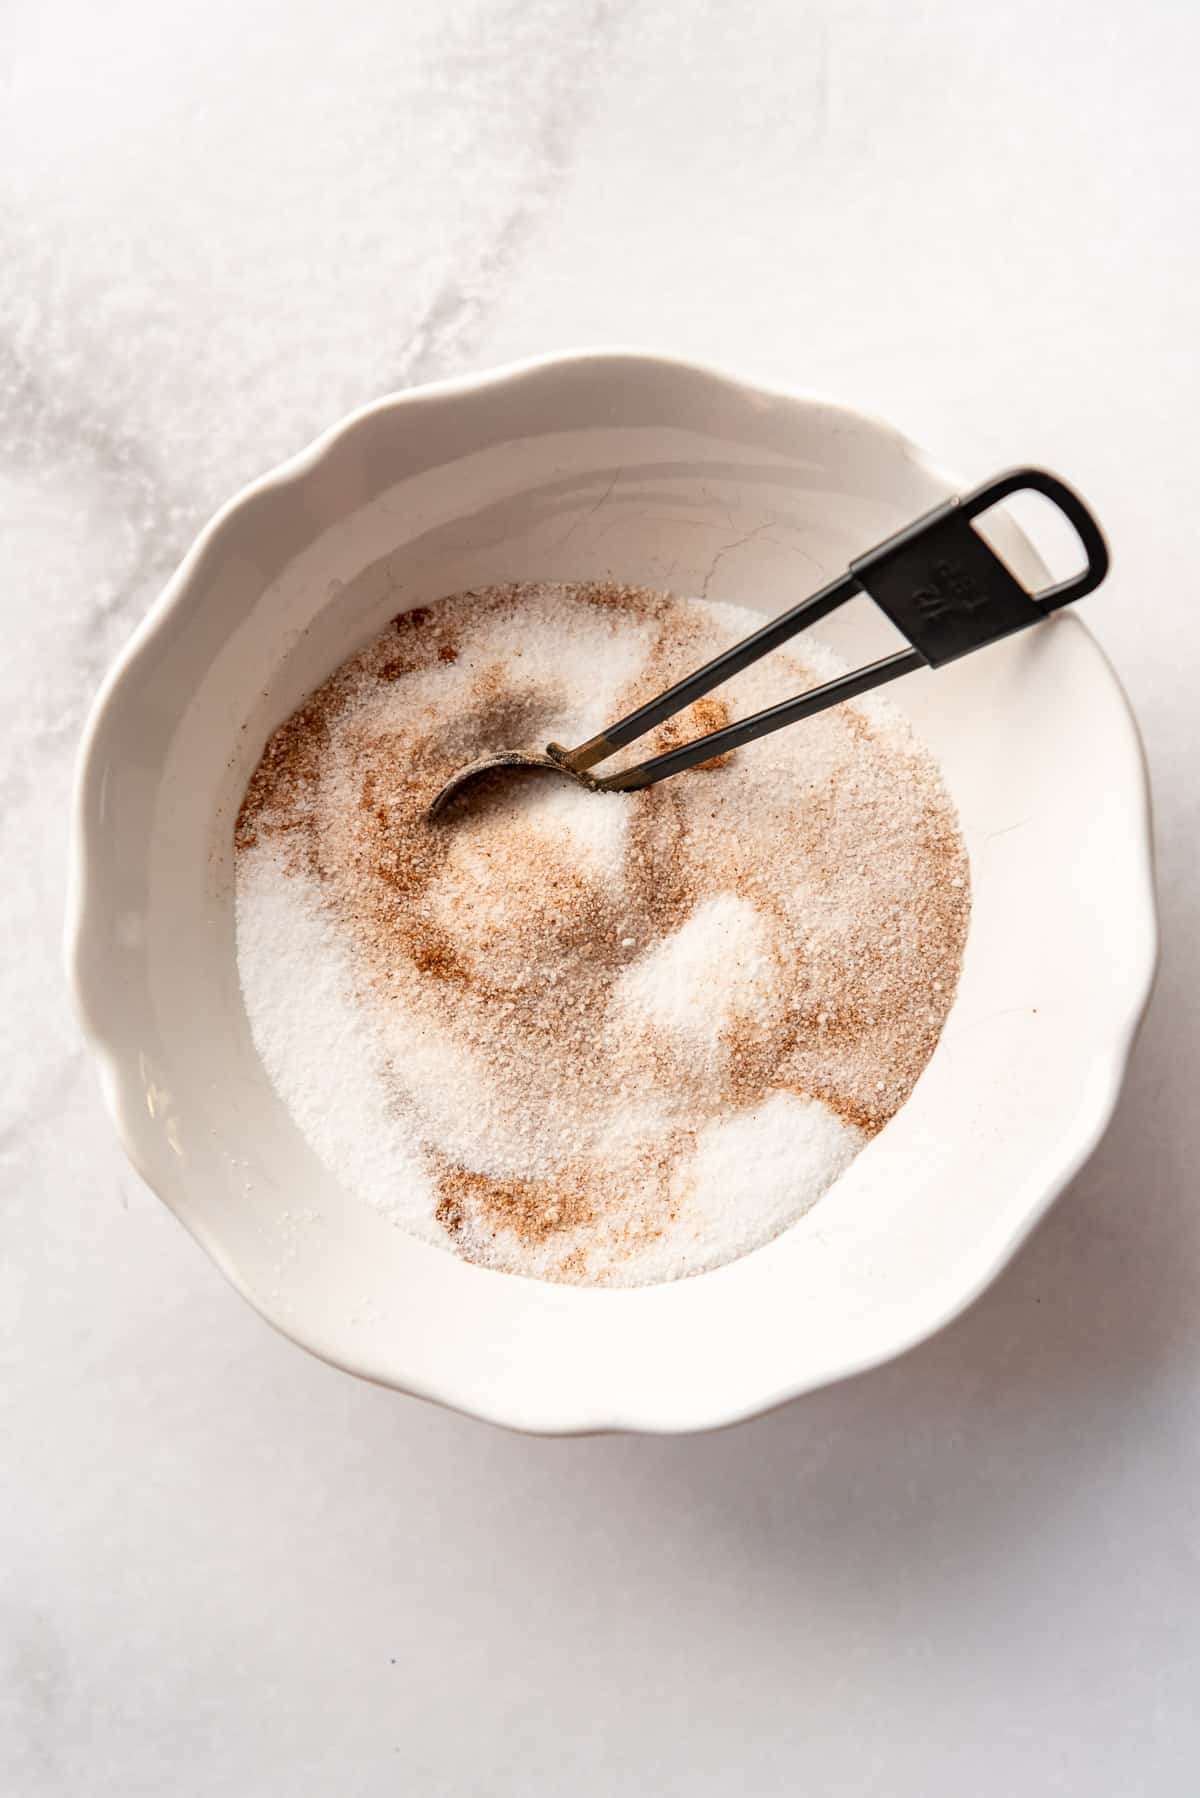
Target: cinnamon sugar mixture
610,1039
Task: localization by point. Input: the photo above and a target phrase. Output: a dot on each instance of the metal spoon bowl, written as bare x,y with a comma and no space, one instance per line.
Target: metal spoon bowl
504,758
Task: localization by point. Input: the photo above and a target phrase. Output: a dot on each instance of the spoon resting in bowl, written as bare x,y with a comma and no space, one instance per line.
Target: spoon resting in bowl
938,581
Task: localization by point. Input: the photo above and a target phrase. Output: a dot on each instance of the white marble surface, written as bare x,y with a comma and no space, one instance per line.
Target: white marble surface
226,1569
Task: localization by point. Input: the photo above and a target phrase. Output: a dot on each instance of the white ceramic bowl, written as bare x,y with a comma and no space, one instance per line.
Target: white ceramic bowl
579,467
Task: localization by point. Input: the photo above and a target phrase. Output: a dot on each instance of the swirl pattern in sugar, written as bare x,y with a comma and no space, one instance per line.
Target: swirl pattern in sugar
611,1039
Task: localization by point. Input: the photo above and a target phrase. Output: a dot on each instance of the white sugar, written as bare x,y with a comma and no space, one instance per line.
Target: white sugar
697,981
322,1047
603,1038
756,1172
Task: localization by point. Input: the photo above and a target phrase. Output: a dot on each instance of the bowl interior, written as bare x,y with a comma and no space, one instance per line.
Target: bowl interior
650,472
